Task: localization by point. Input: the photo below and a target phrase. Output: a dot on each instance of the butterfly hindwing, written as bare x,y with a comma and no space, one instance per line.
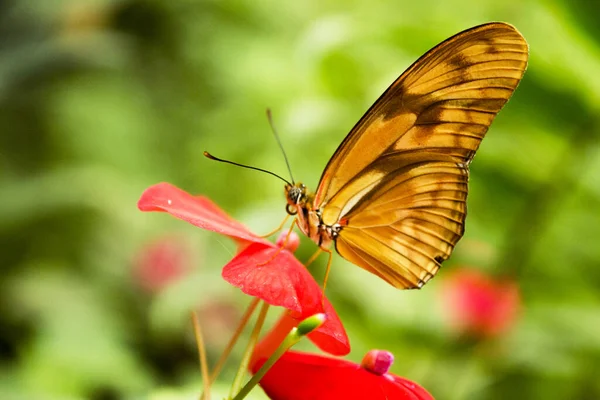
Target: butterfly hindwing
411,223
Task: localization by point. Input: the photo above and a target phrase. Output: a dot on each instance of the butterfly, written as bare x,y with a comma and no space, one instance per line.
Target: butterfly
392,199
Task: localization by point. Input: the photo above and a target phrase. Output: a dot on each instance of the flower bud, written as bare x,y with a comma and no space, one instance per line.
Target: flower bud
378,361
292,242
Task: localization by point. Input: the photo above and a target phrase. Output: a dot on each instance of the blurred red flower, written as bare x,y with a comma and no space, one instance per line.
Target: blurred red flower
261,268
161,261
480,305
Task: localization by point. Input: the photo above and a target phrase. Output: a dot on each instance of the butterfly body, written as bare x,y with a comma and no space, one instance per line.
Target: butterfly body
393,196
309,220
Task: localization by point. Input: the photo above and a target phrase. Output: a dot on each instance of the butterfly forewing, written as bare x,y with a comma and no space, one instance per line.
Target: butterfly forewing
398,183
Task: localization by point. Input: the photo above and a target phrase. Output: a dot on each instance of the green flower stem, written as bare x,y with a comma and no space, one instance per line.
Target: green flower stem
201,356
239,377
296,334
231,344
234,339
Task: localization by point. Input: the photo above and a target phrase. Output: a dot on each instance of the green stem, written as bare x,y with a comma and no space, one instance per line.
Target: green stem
232,342
201,356
239,377
296,334
234,339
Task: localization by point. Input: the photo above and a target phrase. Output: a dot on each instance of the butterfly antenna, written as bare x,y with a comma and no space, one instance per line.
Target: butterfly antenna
210,156
270,118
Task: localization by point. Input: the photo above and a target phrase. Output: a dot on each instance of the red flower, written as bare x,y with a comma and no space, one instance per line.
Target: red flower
479,305
301,376
261,268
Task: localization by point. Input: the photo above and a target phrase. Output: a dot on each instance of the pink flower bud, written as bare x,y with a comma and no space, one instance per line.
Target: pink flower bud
378,361
292,242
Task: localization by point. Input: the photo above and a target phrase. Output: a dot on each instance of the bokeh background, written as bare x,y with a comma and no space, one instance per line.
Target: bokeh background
100,99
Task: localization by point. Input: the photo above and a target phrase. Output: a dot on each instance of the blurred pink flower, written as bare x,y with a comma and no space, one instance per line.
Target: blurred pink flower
161,261
480,305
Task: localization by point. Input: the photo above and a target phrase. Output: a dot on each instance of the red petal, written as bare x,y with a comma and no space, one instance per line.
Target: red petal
269,273
278,278
418,390
198,211
299,376
331,337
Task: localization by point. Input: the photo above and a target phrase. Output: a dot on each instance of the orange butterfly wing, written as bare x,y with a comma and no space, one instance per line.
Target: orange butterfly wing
398,182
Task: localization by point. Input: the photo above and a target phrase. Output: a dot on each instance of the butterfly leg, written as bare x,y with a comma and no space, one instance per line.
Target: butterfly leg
313,257
278,228
287,237
327,270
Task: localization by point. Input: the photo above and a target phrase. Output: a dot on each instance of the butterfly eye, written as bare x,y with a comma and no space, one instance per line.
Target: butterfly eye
290,209
296,195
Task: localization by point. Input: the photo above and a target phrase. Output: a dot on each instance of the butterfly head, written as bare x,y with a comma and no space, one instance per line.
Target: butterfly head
296,196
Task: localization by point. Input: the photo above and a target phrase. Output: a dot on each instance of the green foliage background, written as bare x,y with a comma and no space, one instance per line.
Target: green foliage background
100,99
